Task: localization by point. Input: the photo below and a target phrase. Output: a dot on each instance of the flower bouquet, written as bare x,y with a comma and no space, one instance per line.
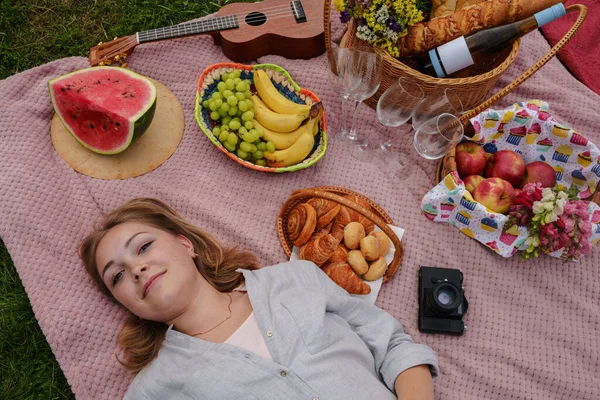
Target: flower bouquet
382,22
557,220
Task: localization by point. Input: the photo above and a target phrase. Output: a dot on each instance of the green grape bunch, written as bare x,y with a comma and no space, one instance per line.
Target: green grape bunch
231,110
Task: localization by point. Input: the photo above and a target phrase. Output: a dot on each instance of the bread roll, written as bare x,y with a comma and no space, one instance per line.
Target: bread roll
357,262
369,247
354,232
301,223
383,240
376,270
426,35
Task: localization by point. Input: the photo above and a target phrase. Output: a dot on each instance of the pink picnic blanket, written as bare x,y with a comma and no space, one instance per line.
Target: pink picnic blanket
533,326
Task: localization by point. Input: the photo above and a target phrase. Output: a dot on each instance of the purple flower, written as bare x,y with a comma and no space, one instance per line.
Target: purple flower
345,16
394,25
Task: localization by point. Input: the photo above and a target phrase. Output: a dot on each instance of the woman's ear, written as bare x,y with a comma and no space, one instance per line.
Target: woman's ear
187,243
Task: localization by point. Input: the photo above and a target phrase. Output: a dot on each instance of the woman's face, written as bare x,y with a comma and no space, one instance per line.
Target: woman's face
150,271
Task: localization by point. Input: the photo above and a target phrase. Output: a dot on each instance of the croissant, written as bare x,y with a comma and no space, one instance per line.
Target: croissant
427,35
301,223
320,247
340,254
342,274
326,210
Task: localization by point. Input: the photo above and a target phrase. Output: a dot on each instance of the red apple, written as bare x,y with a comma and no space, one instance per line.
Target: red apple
539,171
470,159
472,181
505,164
496,194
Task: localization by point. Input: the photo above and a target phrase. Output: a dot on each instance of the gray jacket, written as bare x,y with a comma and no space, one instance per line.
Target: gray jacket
325,344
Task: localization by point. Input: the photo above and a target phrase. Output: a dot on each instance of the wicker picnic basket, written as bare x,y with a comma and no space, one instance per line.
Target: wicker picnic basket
471,90
378,216
448,163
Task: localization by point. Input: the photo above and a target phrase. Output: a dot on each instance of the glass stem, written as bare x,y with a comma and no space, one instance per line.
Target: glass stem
352,134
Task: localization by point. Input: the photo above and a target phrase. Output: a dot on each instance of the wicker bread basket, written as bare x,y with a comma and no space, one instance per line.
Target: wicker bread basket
378,216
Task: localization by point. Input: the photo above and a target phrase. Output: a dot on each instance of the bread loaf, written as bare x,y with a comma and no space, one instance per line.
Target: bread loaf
442,8
427,35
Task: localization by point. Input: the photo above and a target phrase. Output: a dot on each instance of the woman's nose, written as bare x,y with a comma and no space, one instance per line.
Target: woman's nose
139,270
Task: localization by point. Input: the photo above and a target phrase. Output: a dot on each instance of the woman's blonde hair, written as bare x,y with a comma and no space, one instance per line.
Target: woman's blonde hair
141,339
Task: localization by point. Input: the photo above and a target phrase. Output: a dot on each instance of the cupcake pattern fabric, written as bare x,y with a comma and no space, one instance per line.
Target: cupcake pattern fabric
470,217
528,129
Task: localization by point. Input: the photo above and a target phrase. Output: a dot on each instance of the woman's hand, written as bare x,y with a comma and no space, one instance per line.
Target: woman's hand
415,383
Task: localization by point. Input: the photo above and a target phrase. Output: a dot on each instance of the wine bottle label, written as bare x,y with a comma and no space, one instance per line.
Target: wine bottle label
454,56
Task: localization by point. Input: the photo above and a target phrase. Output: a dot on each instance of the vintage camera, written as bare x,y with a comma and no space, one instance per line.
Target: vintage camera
442,302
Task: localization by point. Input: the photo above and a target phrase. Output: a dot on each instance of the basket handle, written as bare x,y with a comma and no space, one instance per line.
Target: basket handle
304,193
464,118
327,23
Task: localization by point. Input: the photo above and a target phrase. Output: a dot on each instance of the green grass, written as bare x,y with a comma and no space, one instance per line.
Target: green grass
33,33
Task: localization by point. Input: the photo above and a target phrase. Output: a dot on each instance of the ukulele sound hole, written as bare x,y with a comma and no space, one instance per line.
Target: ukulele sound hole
255,18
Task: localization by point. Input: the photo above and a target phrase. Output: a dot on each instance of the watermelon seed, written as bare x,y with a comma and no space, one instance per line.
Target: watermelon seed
62,89
74,116
92,126
118,124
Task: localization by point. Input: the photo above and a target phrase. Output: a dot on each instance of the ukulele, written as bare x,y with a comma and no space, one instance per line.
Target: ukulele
245,31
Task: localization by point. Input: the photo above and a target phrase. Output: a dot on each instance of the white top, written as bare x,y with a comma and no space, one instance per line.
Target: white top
249,337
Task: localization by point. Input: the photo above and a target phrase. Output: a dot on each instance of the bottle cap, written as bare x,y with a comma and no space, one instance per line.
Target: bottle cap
550,14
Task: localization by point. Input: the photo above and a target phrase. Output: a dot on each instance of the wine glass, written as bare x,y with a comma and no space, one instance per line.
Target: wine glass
435,104
362,77
396,105
337,58
435,136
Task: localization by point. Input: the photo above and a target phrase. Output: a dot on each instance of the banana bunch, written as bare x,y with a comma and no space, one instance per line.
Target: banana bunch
291,127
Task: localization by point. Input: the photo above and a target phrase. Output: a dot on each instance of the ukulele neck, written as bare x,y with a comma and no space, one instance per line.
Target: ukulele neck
189,28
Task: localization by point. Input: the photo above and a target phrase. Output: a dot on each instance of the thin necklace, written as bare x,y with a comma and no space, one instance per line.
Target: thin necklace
229,316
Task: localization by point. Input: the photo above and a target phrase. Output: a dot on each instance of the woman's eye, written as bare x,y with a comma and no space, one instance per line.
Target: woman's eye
145,247
117,277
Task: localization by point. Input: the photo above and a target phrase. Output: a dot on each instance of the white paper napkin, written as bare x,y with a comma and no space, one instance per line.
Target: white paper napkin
375,285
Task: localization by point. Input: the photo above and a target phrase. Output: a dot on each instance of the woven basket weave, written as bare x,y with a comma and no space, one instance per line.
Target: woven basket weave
333,193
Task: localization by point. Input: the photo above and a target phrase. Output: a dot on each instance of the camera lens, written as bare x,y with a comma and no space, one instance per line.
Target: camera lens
445,298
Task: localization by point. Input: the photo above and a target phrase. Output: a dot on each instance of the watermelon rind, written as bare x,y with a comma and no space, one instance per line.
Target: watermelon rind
138,123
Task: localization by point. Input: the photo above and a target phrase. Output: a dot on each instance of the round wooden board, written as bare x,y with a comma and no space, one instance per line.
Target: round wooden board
152,149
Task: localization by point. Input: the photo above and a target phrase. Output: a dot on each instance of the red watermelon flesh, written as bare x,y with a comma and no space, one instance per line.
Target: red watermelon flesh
104,108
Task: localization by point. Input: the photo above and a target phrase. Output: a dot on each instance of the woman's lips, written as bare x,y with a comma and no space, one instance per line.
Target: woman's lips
150,282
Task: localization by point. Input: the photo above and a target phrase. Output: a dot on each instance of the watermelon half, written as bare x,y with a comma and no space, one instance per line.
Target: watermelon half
104,108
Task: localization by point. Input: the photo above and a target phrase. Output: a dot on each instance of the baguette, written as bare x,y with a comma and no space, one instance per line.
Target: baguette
425,36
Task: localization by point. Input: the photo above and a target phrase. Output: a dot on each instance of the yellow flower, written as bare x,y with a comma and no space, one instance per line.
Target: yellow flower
340,5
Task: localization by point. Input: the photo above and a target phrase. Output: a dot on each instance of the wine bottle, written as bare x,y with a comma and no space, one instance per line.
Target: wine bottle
462,52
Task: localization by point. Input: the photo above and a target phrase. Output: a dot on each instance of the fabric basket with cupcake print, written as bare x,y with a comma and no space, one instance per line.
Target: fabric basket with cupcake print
527,129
